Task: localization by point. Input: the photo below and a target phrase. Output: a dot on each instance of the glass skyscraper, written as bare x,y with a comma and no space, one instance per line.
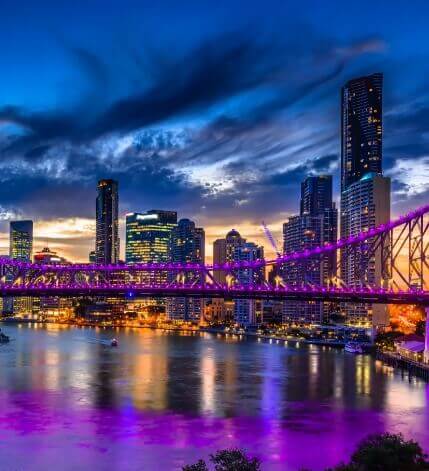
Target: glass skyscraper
148,236
361,128
107,236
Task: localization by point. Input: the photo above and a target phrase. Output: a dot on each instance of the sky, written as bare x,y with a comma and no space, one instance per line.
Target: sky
216,109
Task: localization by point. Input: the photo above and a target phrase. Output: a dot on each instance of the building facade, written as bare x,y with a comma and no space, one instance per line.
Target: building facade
365,193
187,246
364,204
316,225
361,128
21,240
148,239
247,311
21,248
148,236
107,225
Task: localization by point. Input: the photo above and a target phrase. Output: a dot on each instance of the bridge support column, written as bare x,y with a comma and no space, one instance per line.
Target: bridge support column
426,352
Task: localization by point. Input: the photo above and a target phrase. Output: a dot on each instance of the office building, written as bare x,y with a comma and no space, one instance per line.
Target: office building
21,248
148,236
148,239
107,236
314,226
21,240
187,246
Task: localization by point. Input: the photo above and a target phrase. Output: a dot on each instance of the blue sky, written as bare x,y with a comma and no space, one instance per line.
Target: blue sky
215,109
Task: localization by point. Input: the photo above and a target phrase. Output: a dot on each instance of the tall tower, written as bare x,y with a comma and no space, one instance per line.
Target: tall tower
107,237
361,128
365,193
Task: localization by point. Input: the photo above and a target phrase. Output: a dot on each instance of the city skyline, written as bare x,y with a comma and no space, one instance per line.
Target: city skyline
200,155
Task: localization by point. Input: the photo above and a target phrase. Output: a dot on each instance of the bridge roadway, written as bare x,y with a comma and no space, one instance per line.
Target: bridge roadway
215,291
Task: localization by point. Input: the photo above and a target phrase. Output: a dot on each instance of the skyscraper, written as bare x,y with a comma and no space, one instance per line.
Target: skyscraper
364,204
148,236
187,246
316,195
314,226
21,240
21,248
361,128
107,237
245,309
148,239
365,193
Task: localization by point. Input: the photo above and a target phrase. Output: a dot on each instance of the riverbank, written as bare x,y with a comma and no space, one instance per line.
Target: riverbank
414,368
339,344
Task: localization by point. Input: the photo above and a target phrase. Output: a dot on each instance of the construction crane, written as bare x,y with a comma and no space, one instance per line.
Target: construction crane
271,239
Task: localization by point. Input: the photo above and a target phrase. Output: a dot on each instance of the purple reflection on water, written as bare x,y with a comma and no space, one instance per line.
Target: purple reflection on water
37,431
158,401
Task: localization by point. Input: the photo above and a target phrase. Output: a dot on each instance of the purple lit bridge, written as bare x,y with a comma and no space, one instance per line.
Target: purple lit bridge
387,264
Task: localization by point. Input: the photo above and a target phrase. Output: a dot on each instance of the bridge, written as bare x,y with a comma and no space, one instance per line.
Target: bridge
389,264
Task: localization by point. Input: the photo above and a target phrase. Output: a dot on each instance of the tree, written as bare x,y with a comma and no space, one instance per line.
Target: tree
386,452
421,327
199,466
227,460
234,460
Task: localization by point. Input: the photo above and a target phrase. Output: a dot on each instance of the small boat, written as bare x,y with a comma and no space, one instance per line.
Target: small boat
114,343
353,347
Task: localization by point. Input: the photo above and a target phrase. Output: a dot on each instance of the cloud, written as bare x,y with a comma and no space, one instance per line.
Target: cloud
220,131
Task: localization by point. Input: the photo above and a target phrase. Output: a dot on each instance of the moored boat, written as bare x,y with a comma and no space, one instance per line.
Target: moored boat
353,347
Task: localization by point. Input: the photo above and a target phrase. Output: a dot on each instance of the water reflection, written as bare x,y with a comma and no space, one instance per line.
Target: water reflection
169,397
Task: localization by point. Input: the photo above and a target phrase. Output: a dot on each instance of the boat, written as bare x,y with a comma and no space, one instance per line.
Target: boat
353,347
4,338
114,343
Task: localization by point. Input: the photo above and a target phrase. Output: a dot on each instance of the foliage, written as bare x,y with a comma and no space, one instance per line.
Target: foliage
386,452
420,327
199,466
385,340
379,452
227,460
234,460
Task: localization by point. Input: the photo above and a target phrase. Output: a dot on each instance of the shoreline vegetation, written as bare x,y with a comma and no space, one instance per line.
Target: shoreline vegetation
378,452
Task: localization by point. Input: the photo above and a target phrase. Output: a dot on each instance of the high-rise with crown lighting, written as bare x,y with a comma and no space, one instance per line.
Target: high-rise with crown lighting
107,234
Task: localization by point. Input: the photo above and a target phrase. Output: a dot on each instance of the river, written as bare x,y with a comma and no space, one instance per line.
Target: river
70,401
